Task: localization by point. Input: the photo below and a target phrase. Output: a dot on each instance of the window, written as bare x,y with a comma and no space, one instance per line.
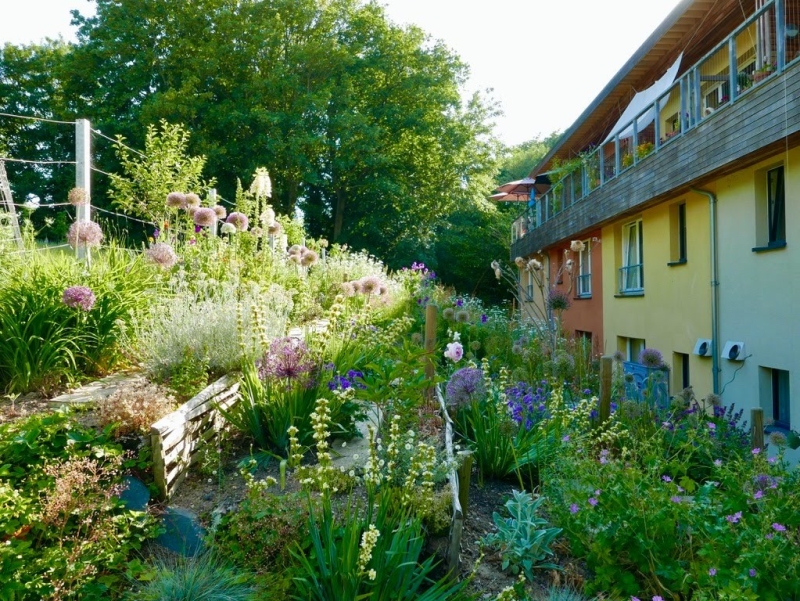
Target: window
631,276
630,347
530,286
770,209
680,371
585,270
677,227
774,389
776,204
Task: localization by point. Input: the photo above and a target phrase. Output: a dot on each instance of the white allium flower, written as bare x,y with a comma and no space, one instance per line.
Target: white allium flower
227,228
262,184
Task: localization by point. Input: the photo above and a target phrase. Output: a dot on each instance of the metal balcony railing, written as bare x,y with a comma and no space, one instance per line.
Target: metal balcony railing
757,50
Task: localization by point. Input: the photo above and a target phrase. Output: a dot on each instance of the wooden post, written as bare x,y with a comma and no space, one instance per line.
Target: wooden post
464,474
757,428
83,178
212,199
430,347
606,370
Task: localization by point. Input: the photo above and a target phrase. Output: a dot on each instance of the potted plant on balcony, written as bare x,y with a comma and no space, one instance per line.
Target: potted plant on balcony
641,151
763,72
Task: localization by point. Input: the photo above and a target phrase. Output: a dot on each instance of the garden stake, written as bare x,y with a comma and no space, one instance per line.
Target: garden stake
606,366
464,474
757,433
430,347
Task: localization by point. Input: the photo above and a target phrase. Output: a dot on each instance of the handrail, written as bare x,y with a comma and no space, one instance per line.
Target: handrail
690,114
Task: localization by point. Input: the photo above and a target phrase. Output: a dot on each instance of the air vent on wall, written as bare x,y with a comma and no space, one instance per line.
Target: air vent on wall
703,347
734,351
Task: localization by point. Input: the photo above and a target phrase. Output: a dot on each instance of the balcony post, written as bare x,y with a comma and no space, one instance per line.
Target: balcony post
602,162
733,70
697,98
780,34
657,124
635,140
616,155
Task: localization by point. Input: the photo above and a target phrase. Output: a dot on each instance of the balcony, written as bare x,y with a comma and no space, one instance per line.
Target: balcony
727,101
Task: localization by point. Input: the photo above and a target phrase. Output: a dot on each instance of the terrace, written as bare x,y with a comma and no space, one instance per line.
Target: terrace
727,101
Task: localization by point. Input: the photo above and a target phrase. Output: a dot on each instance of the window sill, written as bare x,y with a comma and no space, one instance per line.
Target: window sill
678,262
771,246
583,297
629,293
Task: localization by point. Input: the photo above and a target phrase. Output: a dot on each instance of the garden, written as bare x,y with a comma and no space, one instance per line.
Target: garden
358,433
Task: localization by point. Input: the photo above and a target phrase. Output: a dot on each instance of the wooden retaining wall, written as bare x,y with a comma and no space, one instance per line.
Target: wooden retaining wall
177,437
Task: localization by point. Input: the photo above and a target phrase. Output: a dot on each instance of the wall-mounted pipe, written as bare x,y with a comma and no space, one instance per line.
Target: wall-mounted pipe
712,213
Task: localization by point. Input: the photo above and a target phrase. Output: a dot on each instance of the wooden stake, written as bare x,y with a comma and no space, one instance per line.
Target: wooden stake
430,347
606,370
464,474
757,432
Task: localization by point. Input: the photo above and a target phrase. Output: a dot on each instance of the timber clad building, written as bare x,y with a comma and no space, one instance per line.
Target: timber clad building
688,203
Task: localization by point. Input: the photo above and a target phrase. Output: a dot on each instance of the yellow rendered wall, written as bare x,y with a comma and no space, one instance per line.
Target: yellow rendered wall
760,291
675,309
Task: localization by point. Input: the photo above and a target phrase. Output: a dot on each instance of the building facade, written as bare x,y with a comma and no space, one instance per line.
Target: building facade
689,198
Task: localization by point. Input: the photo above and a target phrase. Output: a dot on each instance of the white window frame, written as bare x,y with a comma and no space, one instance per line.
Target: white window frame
632,255
585,269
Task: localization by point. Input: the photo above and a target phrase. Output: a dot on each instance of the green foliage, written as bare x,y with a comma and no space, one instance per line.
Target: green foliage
649,522
189,376
269,407
519,160
521,538
48,344
203,576
371,554
165,168
65,534
258,537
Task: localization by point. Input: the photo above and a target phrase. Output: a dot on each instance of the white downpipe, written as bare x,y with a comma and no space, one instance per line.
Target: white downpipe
712,210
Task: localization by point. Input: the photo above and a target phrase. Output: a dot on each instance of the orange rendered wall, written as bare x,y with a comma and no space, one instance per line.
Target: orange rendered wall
585,314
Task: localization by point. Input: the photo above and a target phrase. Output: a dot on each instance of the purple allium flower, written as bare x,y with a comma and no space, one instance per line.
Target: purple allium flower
275,228
287,358
162,255
573,509
205,217
465,385
370,284
84,233
238,220
79,297
462,316
192,200
220,211
78,197
176,200
778,527
558,300
308,258
712,571
592,501
752,572
650,357
449,313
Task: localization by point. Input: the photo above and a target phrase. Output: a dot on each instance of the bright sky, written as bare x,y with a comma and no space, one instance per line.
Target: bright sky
545,60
